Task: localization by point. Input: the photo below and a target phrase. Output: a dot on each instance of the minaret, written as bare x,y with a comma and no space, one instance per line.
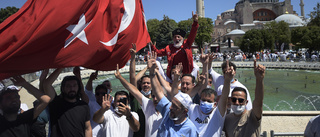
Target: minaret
200,7
302,8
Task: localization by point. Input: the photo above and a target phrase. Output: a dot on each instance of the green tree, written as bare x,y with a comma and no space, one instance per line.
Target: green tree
205,31
6,12
315,16
166,27
153,28
297,34
252,41
280,31
307,37
268,39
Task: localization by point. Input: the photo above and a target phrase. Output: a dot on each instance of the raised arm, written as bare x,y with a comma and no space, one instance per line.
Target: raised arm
193,32
131,88
141,74
76,72
228,76
92,77
176,82
166,85
161,52
43,77
132,70
105,105
47,84
259,72
203,79
43,99
152,65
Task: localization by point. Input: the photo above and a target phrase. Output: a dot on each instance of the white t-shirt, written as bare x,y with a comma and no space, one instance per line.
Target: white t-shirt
207,125
94,107
152,117
218,80
115,126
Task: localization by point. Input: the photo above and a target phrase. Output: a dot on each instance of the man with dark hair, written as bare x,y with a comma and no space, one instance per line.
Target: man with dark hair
107,83
218,80
14,124
69,116
180,50
243,122
117,122
95,101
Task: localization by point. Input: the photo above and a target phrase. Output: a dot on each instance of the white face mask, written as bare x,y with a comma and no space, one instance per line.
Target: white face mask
117,110
178,45
238,109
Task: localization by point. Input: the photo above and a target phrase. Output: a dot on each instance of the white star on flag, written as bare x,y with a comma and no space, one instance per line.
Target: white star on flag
78,31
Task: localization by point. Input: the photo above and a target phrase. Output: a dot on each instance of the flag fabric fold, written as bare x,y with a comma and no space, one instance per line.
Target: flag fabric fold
95,34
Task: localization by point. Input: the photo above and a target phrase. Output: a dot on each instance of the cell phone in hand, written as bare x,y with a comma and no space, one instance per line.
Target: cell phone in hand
123,100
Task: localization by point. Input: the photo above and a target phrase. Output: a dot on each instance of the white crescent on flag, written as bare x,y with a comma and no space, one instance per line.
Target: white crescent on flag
130,8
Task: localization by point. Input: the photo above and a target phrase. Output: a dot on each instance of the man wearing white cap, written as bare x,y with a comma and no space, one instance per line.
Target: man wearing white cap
175,121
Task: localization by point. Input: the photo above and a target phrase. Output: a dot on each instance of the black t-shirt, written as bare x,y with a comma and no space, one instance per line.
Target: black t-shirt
17,128
68,119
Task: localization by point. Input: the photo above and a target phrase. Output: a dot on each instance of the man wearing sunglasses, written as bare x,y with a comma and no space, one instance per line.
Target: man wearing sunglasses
243,122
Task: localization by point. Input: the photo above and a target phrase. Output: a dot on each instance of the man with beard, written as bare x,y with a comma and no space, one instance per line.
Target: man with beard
12,123
180,50
69,116
243,122
175,121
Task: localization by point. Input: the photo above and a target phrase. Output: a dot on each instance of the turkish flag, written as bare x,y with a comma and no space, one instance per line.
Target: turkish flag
95,34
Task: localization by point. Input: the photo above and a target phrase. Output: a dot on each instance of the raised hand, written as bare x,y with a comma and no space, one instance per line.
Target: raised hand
201,78
18,81
195,17
124,109
259,71
117,73
93,75
178,70
204,58
152,61
229,73
106,102
76,71
212,56
133,50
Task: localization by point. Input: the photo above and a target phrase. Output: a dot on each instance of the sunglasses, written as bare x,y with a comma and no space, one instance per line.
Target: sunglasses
101,93
234,100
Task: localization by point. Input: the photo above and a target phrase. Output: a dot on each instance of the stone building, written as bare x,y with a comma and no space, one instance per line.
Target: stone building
253,14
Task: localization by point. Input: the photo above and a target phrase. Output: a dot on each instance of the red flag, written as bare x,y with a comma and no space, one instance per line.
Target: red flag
95,34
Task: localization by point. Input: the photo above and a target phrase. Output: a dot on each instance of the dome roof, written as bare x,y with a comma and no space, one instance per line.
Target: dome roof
229,21
228,10
236,32
291,19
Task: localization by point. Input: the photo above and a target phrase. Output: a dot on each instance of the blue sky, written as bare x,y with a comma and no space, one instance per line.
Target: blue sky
182,9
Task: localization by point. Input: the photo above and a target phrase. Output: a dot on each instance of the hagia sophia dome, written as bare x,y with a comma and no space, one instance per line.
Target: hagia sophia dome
291,19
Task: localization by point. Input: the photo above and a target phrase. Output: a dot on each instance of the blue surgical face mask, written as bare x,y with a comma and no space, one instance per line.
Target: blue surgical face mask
206,107
146,93
232,80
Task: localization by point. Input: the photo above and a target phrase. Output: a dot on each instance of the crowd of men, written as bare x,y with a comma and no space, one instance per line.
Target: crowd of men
181,104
